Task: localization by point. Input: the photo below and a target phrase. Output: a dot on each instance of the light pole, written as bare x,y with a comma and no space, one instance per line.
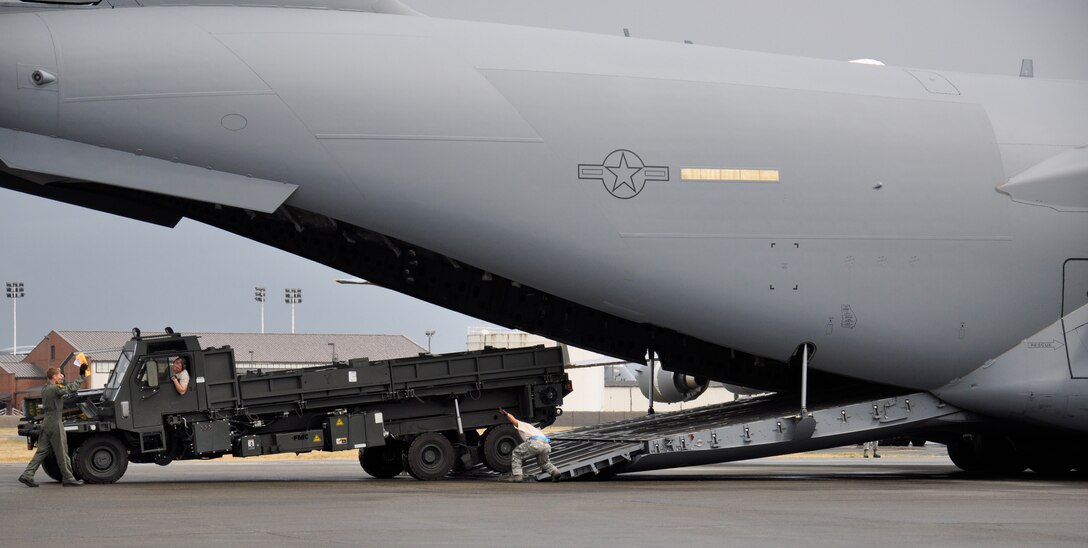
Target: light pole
429,333
15,292
258,295
292,296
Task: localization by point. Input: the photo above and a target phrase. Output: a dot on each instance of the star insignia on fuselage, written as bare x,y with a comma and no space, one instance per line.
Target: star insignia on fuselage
623,173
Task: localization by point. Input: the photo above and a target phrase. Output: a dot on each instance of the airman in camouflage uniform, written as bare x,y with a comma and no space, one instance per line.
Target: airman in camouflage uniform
535,444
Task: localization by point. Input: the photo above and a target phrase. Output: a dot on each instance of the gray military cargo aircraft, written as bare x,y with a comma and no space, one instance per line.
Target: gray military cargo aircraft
738,213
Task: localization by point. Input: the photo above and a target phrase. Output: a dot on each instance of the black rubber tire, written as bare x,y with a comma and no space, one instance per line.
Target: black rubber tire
51,468
100,459
498,447
999,454
962,452
1051,462
987,454
1051,468
430,456
174,447
385,462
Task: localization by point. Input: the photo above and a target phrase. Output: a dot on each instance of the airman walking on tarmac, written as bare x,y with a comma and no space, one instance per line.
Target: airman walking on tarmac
53,438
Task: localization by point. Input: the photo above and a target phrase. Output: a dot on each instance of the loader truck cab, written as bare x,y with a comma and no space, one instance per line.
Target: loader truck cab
139,392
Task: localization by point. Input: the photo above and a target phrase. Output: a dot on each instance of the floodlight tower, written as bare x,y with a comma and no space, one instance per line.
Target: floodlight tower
15,292
259,296
292,296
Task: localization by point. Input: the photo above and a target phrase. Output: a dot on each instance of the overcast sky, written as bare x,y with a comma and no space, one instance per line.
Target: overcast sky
89,270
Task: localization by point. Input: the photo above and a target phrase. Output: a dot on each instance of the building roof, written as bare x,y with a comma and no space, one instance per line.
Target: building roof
21,369
267,347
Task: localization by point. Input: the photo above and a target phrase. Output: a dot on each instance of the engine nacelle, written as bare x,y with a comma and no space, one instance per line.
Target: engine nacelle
742,390
668,387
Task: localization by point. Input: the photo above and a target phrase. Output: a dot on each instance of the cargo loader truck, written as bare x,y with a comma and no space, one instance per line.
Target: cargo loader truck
421,414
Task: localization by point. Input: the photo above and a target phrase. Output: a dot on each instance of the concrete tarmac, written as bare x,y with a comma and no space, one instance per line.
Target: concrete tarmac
904,499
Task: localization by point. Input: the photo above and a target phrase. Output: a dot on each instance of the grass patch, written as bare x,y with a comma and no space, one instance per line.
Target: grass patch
13,449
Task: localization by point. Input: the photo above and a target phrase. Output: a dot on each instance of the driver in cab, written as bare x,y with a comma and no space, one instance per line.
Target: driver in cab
179,374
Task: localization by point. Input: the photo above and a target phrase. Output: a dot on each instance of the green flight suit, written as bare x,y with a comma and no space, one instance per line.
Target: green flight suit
53,438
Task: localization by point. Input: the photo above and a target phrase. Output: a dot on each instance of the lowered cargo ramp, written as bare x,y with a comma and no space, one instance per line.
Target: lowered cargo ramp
745,429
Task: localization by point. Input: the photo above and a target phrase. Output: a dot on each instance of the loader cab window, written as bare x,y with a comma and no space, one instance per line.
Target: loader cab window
152,371
118,373
156,371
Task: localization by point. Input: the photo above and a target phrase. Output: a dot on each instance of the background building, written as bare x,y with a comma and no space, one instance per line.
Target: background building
17,378
604,388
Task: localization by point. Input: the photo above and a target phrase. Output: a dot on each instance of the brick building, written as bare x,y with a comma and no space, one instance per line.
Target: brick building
17,378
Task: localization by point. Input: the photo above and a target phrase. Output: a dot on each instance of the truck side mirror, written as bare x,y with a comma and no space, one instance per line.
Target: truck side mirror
152,373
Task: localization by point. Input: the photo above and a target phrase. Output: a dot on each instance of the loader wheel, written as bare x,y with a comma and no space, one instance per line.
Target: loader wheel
51,468
430,456
100,459
383,462
499,444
